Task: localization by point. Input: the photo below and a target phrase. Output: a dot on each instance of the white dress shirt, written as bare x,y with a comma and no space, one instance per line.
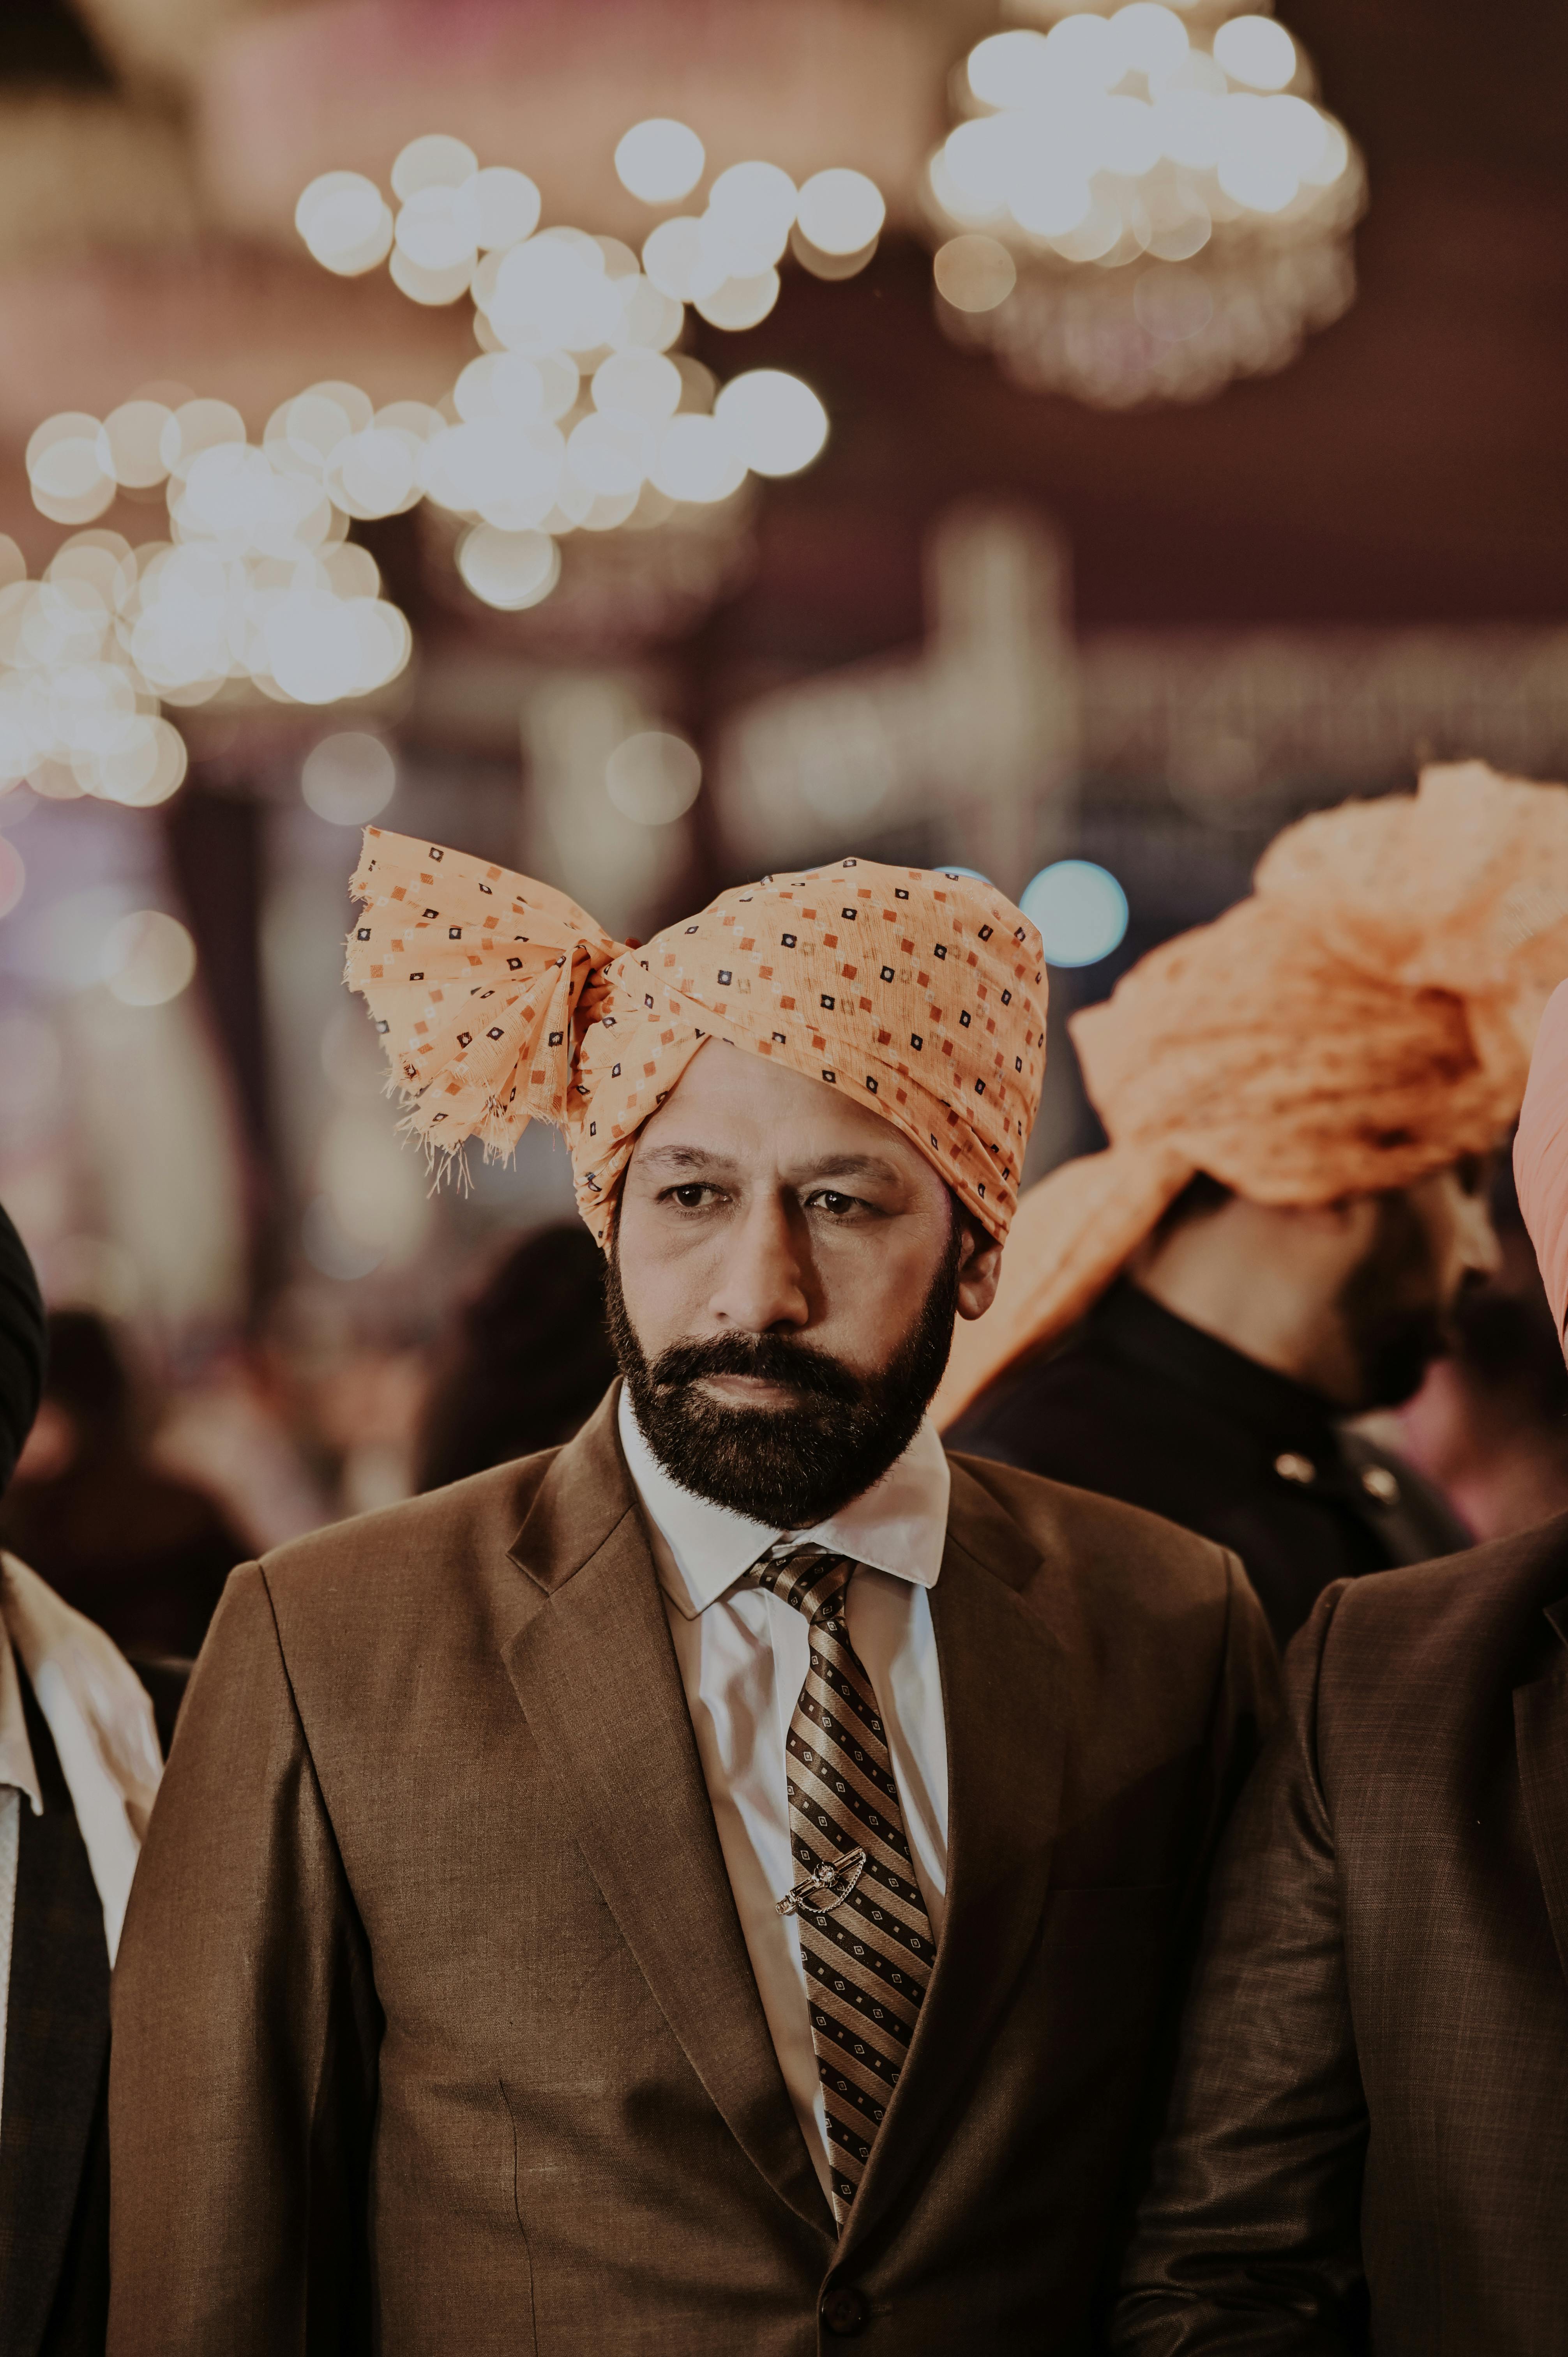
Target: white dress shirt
101,1723
744,1655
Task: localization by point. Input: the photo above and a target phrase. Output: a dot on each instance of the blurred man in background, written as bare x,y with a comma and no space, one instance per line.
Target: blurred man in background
527,1359
1366,2147
140,1552
78,1769
1302,1099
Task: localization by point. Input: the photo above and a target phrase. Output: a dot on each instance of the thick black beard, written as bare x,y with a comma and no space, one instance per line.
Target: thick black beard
1394,1333
787,1468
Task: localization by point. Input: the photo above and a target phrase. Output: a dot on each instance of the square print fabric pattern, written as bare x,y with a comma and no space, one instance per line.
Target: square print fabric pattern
921,995
890,983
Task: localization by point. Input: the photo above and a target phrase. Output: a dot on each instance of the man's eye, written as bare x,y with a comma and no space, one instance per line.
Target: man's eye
689,1197
835,1203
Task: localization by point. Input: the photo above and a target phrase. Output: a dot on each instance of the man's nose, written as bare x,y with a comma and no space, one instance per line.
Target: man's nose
762,1281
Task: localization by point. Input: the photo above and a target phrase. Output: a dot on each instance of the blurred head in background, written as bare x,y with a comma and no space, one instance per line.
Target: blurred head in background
139,1550
1338,1053
525,1362
85,1413
1355,1299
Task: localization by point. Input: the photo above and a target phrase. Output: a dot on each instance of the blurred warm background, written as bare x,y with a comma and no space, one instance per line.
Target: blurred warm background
1191,384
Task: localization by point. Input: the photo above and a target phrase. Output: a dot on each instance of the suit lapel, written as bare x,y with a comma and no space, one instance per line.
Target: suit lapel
1540,1727
1003,1693
594,1668
57,2046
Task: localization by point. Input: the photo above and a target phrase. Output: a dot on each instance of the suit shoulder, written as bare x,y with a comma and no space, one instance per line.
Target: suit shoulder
1523,1572
1108,1545
422,1536
1432,1637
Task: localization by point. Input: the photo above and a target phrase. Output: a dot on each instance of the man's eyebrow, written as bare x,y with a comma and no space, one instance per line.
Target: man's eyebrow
677,1157
685,1158
851,1166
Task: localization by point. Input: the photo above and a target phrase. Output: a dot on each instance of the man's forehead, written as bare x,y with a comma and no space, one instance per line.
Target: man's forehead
694,1157
732,1105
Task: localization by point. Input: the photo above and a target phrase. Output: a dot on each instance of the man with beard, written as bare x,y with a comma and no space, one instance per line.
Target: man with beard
715,1885
1364,2148
1302,1100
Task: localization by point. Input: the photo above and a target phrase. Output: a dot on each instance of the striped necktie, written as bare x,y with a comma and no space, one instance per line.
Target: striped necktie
866,1938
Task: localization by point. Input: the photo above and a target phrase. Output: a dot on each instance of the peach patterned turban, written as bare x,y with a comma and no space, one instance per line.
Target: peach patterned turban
1364,1017
1541,1154
920,994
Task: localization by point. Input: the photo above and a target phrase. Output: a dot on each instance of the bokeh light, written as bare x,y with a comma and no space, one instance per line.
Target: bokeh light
348,777
740,303
660,161
773,424
639,384
1150,39
751,211
506,206
841,212
1120,143
135,433
508,570
346,222
697,461
1257,51
1081,911
330,1249
147,958
653,777
434,161
256,584
573,417
975,272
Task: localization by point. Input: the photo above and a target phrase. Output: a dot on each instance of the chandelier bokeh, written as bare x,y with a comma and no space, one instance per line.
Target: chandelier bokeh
1142,202
579,415
256,590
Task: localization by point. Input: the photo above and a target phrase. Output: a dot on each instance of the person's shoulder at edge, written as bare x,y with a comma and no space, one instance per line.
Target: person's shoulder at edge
1450,1616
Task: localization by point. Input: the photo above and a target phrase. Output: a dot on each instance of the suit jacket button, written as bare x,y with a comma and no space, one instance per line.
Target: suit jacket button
844,2311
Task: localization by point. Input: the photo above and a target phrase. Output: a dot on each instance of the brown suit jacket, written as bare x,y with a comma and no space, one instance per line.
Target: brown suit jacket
434,2023
1367,2144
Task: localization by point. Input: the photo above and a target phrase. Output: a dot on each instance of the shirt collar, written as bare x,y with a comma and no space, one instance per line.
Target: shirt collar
17,1767
898,1525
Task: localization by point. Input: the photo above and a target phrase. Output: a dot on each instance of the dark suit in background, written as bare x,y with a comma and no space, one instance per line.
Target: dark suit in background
54,2137
54,2174
1140,1405
1367,2144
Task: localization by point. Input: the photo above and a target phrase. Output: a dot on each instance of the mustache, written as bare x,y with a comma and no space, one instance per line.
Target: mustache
800,1366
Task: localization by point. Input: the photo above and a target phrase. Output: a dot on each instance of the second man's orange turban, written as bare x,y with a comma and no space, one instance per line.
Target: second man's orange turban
1364,1018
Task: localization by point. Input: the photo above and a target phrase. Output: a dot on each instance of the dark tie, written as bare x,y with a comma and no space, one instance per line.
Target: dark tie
865,1933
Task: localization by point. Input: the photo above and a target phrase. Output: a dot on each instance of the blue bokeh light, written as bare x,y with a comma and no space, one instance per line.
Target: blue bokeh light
1080,910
